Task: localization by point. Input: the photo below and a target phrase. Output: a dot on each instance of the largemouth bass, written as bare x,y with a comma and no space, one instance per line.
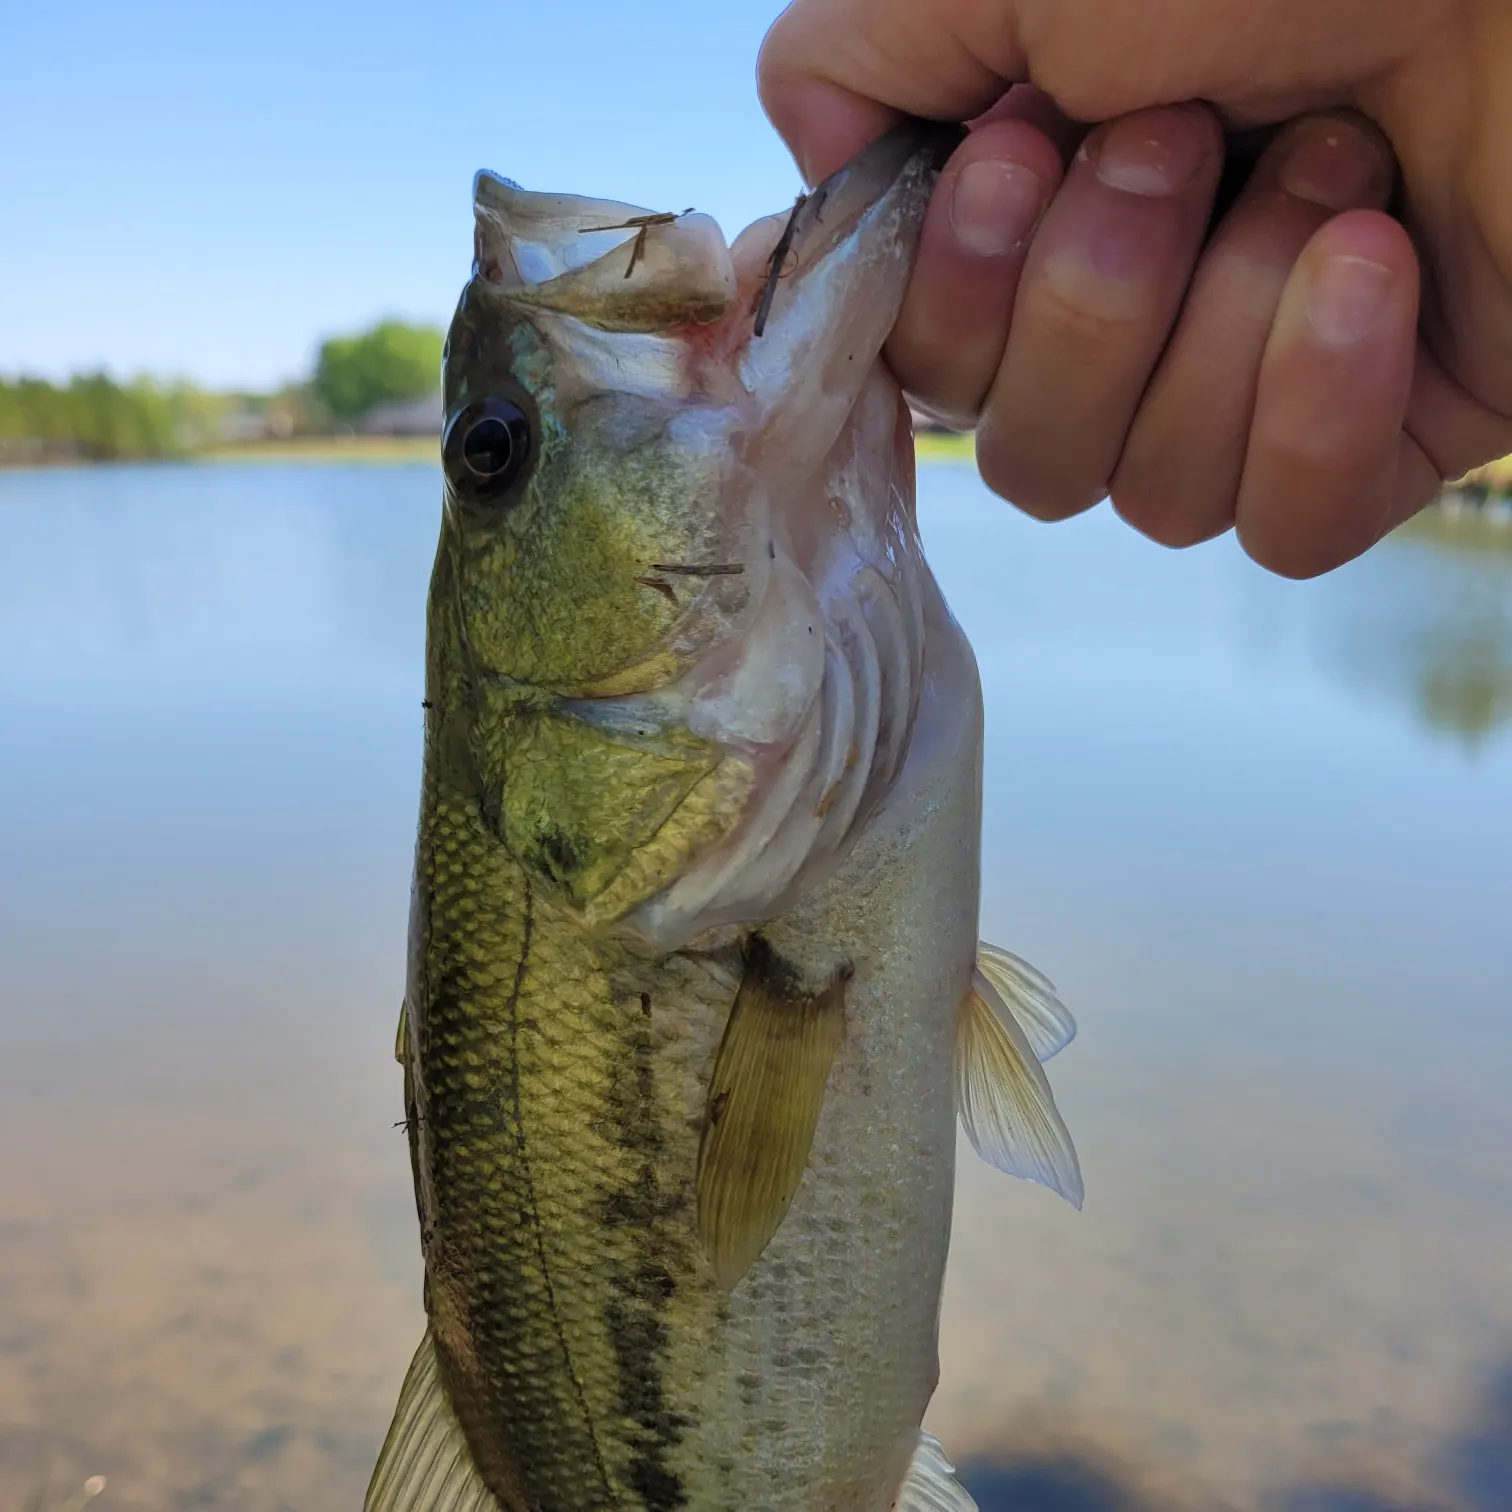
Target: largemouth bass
695,992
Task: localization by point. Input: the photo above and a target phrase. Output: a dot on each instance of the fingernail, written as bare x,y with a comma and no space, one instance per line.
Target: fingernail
1329,163
1346,298
993,206
1150,158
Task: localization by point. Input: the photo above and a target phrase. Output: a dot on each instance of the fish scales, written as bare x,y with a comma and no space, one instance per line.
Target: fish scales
694,985
558,1158
549,1217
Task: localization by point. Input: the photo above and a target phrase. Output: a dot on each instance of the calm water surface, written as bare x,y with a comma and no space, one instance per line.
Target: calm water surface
1259,833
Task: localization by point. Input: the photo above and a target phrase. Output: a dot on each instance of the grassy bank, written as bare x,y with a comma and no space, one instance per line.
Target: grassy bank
932,447
1494,480
1465,527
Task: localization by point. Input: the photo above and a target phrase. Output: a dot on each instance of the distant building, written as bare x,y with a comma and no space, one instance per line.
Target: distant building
240,426
404,417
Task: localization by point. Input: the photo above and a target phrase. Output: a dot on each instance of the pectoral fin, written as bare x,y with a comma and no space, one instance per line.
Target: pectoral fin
1045,1020
1004,1098
930,1485
763,1107
425,1464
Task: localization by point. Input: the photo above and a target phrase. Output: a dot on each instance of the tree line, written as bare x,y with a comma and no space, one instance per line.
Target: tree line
93,417
96,419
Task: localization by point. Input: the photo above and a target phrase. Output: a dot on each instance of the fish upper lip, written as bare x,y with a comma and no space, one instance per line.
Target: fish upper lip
555,235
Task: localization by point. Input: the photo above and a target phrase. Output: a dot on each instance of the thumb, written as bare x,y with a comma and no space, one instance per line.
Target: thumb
834,74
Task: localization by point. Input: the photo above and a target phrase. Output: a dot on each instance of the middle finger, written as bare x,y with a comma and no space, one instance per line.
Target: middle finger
1100,289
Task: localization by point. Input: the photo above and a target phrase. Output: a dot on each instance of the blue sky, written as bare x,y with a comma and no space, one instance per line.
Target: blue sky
204,191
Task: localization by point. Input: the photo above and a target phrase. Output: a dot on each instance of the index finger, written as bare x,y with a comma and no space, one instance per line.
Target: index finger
834,74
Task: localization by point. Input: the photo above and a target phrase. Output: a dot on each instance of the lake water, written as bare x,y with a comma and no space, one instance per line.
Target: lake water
1259,833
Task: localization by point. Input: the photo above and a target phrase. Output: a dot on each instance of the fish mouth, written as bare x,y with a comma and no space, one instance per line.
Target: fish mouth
821,219
624,267
615,266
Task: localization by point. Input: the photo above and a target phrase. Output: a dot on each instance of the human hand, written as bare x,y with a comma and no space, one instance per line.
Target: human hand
1072,299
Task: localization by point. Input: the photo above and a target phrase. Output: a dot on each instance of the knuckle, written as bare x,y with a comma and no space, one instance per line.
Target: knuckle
1089,314
1035,472
1295,554
1169,518
948,384
1039,493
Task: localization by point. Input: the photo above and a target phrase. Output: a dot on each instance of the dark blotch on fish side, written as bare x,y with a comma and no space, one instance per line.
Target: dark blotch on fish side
760,960
634,1315
559,853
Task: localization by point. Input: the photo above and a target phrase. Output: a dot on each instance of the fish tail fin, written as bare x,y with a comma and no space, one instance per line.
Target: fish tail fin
1002,1093
425,1464
930,1484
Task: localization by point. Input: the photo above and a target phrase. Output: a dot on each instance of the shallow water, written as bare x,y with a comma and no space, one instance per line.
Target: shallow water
1258,832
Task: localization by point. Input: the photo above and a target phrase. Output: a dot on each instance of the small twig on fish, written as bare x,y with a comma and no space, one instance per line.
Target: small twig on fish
763,294
687,569
777,266
640,224
662,586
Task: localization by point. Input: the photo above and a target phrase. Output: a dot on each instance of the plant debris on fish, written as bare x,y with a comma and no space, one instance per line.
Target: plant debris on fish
695,992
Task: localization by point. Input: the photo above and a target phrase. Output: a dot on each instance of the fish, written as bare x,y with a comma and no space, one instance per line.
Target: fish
695,994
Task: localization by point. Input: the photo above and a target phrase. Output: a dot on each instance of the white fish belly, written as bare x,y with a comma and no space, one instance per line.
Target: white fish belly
829,1342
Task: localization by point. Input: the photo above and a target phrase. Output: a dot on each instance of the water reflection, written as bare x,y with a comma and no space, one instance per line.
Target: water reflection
1429,625
1471,1473
1273,891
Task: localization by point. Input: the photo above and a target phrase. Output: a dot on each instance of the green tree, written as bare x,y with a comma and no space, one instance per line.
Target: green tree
391,361
96,418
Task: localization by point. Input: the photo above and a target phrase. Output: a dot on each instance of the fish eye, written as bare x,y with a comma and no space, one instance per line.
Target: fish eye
486,448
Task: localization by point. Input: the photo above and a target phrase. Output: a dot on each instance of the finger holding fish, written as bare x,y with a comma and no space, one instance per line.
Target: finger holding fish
1180,474
948,343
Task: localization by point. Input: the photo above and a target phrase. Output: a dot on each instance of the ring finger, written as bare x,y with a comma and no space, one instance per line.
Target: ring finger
1178,479
1100,290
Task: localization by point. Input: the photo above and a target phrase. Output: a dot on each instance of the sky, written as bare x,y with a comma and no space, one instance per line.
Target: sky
205,191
